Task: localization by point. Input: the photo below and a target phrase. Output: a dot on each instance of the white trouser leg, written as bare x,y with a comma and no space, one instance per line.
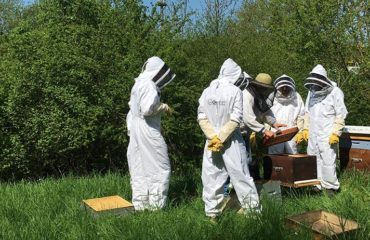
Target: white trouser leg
138,181
214,176
154,153
329,174
237,168
312,149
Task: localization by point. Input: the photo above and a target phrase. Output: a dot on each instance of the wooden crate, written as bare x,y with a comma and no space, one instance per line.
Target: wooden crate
112,204
281,136
354,148
296,170
323,224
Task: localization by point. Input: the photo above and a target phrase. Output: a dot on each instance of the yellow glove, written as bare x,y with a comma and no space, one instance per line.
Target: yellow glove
207,129
305,134
215,145
299,138
334,139
252,140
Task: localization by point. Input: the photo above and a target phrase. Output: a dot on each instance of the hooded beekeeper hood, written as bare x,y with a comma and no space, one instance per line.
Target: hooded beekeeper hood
158,71
318,79
230,72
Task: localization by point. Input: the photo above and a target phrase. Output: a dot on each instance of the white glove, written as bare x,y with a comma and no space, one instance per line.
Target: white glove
163,107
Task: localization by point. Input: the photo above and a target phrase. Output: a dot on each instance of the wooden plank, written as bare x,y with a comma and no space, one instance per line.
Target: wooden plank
282,136
299,185
356,137
107,203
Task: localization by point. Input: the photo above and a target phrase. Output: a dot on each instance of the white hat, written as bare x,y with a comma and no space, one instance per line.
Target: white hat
284,81
318,76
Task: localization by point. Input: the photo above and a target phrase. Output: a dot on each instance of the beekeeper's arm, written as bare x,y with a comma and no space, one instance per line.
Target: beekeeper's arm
340,112
204,124
249,117
301,113
128,122
150,101
236,118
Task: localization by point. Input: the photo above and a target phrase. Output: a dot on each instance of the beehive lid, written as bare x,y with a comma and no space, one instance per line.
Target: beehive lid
356,133
107,203
282,136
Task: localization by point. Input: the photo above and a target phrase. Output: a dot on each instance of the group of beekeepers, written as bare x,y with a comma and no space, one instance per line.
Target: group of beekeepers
232,109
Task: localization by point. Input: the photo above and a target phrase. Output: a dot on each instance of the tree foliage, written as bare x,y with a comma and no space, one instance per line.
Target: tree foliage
67,67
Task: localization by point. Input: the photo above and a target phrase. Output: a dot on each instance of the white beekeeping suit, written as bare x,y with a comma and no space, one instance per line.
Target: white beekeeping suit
219,115
147,155
325,115
288,108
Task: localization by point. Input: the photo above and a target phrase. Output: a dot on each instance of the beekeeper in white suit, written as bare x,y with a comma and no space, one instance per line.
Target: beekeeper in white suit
219,115
147,155
258,98
288,108
324,122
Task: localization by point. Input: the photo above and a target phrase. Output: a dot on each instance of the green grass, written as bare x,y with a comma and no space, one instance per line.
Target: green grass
51,209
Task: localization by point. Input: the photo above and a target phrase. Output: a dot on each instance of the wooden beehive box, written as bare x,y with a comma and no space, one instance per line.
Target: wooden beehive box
323,224
354,148
113,204
281,136
296,170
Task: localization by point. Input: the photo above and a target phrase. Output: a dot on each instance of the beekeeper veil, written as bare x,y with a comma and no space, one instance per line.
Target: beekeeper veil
318,84
284,81
243,81
318,79
158,71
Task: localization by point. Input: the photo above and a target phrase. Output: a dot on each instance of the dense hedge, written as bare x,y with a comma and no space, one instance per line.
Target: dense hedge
67,67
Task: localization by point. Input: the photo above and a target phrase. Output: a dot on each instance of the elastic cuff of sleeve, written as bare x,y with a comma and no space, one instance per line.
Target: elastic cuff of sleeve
202,117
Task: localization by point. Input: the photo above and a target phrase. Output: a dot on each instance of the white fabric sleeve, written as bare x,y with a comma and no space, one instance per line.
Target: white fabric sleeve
306,124
249,118
340,112
267,126
237,109
149,101
201,110
301,113
128,122
269,118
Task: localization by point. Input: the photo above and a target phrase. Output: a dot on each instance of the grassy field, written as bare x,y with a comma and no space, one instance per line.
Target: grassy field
51,209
